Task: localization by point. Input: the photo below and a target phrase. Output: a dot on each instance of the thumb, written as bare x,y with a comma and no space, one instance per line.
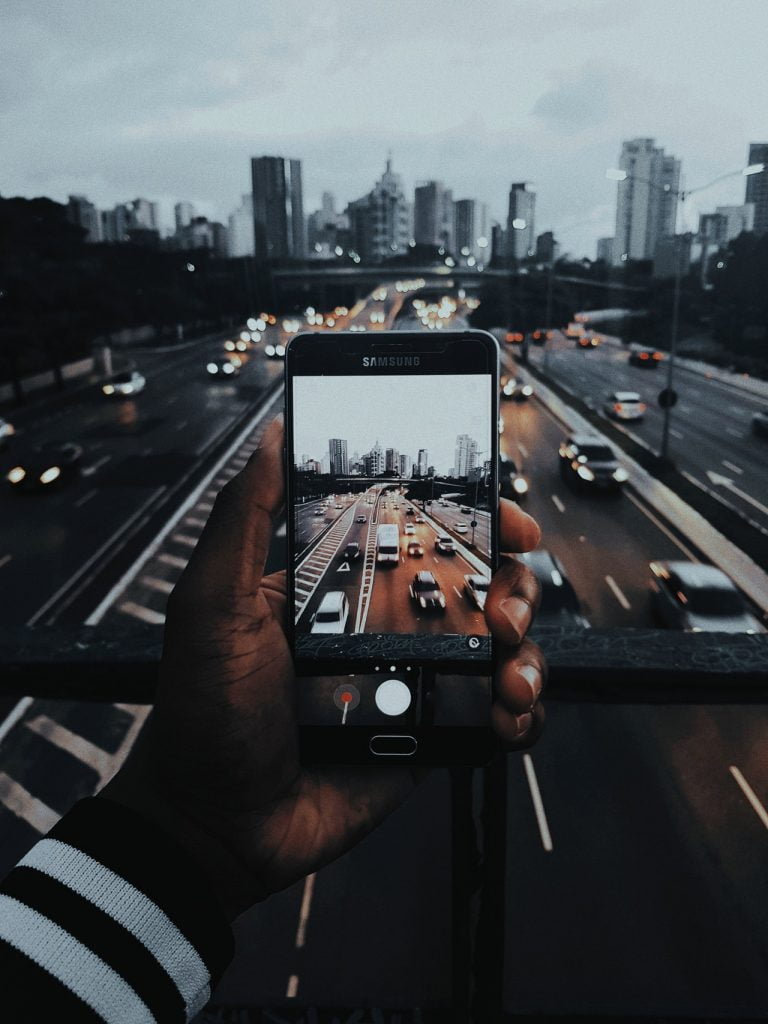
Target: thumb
228,561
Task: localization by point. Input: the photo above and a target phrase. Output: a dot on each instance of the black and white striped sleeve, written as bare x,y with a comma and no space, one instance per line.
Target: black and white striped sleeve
107,919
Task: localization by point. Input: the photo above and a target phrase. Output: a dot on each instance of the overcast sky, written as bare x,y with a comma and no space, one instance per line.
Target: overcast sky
397,411
168,99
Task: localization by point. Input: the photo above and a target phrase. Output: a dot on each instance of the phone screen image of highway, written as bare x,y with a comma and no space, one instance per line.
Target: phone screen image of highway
392,527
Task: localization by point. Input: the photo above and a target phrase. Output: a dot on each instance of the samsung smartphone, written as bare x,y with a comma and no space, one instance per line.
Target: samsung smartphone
392,455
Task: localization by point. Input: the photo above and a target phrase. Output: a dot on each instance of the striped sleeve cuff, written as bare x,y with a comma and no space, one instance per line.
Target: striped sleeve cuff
114,920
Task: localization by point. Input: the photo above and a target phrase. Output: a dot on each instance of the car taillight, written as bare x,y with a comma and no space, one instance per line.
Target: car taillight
643,355
657,355
618,407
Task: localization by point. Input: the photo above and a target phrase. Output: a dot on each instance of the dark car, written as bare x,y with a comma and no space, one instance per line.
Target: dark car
559,604
760,424
516,389
351,552
647,358
699,598
512,483
425,590
45,466
589,463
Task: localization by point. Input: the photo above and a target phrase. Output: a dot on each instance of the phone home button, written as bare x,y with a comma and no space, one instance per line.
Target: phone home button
393,746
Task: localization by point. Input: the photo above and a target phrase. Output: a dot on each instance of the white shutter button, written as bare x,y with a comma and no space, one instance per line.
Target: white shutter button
392,697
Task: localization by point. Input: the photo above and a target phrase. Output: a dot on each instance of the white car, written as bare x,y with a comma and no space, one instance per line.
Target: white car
131,382
409,528
624,405
332,613
420,519
476,589
461,528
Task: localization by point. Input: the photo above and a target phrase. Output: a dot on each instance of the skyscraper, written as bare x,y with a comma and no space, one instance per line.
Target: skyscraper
422,462
757,186
520,221
406,465
183,214
605,249
380,222
646,203
470,228
374,461
278,210
241,228
465,459
85,215
392,460
433,215
337,453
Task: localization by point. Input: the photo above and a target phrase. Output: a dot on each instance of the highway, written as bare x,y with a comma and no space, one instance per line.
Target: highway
637,836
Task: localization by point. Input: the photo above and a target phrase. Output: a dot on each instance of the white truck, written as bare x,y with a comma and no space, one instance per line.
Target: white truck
388,544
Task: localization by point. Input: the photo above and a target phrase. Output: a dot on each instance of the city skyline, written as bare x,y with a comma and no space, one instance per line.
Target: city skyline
177,114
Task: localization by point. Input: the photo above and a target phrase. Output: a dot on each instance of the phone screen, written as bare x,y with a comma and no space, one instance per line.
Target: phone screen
393,536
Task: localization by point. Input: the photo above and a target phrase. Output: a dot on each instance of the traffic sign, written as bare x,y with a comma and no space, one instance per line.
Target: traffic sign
473,524
667,398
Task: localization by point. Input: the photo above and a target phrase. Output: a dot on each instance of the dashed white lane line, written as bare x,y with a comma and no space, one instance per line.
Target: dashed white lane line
558,503
204,506
677,434
659,525
734,432
457,592
293,987
194,521
184,538
138,611
522,449
174,560
86,497
16,713
5,560
732,466
306,906
155,583
618,593
750,794
20,802
538,804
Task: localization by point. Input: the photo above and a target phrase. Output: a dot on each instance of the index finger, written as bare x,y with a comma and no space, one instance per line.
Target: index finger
517,530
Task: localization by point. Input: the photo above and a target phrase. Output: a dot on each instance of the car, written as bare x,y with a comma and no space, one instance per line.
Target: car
647,358
461,528
476,589
624,405
319,511
351,551
360,519
414,549
559,604
516,389
396,505
588,341
425,590
409,511
514,338
223,368
760,424
699,598
590,463
444,544
332,613
420,519
6,432
409,529
540,336
338,505
121,385
44,466
465,509
513,485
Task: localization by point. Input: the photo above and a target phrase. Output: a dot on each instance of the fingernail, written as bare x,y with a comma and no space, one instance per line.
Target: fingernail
518,612
532,676
524,723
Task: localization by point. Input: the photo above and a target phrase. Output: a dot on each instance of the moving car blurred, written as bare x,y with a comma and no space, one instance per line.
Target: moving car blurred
760,424
414,549
419,519
444,545
514,338
128,382
351,552
332,614
648,358
425,590
699,598
512,484
360,519
223,368
409,529
461,528
274,351
6,432
590,463
559,604
588,341
476,589
44,466
624,405
516,390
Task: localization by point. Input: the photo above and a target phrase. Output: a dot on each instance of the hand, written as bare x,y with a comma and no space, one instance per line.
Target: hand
218,763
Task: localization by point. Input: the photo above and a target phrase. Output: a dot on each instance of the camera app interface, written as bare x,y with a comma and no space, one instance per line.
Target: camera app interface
392,529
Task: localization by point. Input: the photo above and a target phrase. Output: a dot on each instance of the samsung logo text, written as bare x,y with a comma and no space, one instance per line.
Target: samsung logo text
391,360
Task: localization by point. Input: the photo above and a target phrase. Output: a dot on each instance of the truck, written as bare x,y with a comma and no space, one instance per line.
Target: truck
388,544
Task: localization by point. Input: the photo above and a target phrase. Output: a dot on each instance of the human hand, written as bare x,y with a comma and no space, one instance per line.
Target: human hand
218,763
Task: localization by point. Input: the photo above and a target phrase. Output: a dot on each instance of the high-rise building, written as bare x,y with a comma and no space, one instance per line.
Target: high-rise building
392,460
337,453
547,248
327,230
143,215
465,459
498,244
737,219
422,462
374,461
183,214
380,222
406,465
605,249
470,229
278,209
85,215
646,204
757,186
433,215
520,222
241,228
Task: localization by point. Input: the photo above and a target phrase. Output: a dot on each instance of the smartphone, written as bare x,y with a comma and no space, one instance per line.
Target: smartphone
392,471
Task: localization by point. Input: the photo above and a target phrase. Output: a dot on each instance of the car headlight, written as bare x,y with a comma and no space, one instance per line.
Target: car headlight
49,475
108,389
126,389
620,475
423,602
270,350
228,368
7,430
519,485
229,346
212,368
585,473
527,390
442,601
280,351
16,475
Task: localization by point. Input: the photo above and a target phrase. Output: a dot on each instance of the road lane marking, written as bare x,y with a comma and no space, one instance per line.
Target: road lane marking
665,530
293,987
204,506
74,744
86,497
538,804
558,504
457,593
750,794
174,560
306,906
20,802
15,714
5,560
184,538
677,434
685,408
618,593
138,611
733,468
194,521
733,432
522,449
155,583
